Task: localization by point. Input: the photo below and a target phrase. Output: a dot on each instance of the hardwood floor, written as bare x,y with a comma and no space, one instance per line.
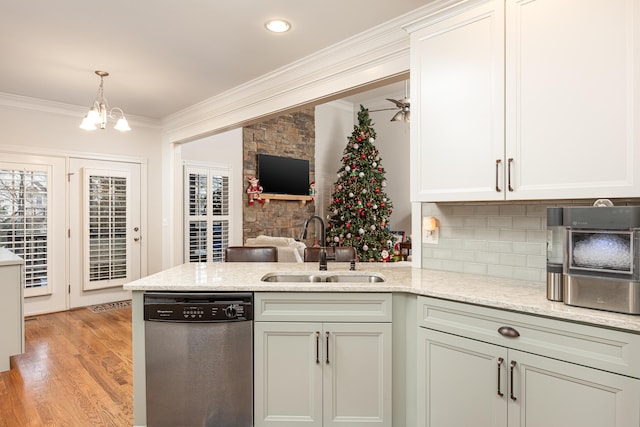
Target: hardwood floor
76,371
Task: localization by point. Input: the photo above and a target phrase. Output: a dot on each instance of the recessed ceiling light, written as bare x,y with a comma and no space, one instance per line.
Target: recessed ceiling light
277,25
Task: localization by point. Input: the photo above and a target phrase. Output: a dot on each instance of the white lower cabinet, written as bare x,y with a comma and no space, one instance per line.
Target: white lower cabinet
11,308
322,373
467,381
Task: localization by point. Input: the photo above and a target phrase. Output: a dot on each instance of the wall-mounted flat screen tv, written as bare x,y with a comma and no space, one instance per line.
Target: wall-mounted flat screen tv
283,175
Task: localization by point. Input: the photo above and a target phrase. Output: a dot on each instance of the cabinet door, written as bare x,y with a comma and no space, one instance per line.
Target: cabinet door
572,94
11,318
552,393
457,118
357,374
288,377
461,382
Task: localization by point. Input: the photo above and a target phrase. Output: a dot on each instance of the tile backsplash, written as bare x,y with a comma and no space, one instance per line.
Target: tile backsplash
500,239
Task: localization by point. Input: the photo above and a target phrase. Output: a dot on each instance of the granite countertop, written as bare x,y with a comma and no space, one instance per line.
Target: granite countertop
508,294
9,258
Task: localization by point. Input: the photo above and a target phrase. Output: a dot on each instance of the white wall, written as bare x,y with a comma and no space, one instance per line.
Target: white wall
52,129
392,140
223,149
334,124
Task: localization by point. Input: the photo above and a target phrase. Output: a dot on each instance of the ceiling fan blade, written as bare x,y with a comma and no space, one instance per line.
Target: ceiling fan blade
382,109
399,104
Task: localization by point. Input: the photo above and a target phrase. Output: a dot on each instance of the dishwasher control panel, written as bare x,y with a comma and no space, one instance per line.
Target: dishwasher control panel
196,307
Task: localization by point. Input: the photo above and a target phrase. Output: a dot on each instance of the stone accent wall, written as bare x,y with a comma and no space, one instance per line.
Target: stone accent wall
288,135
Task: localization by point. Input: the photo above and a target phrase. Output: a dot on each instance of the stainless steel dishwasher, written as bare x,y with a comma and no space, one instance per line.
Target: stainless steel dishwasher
199,359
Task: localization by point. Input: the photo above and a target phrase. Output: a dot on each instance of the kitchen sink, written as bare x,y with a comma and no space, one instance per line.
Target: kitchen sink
359,278
315,278
307,278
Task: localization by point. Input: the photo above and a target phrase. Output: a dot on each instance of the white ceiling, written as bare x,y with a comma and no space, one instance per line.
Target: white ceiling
166,55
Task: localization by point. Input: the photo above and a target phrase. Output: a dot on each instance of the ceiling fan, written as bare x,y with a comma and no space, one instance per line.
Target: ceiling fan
403,105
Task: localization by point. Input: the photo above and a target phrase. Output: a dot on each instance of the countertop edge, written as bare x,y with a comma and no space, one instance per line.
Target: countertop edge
505,294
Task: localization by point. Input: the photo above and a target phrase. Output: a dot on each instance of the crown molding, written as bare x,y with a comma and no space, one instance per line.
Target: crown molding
19,102
371,56
440,10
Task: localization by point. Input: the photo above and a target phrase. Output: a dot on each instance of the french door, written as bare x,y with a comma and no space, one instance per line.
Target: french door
105,235
32,225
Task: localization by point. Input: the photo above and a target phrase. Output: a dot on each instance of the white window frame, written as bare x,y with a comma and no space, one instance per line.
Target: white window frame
90,281
209,170
45,289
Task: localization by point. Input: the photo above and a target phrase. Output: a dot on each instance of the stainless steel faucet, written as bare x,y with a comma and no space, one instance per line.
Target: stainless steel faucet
323,235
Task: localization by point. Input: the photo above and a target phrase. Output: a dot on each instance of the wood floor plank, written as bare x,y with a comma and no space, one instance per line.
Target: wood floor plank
76,371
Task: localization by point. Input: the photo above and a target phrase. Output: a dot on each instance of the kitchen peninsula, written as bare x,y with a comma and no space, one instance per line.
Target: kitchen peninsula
450,305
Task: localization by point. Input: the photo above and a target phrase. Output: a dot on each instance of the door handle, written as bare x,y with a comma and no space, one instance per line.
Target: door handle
509,162
508,331
318,347
498,189
500,362
137,239
327,337
512,366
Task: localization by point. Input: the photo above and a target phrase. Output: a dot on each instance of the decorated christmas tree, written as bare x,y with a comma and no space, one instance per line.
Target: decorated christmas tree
360,209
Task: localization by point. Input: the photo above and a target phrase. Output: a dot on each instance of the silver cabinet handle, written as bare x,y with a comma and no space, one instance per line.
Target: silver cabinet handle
508,331
509,162
327,337
500,362
511,369
498,189
317,346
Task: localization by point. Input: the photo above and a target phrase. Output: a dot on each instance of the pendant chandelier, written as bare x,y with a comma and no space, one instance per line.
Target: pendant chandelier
100,112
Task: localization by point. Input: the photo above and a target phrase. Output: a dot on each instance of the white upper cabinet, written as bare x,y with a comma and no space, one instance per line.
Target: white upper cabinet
559,123
571,95
457,102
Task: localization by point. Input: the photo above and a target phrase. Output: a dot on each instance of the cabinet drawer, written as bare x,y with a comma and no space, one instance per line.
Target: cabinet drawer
610,350
322,307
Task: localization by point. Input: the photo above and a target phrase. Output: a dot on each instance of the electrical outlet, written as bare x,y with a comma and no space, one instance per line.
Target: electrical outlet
430,237
430,230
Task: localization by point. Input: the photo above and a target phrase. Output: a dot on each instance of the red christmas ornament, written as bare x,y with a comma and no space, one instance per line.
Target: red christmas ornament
349,206
348,225
363,156
361,213
337,200
379,169
359,139
382,204
369,204
377,190
353,166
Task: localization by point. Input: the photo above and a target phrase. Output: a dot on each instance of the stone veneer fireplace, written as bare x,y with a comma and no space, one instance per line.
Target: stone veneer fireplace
288,135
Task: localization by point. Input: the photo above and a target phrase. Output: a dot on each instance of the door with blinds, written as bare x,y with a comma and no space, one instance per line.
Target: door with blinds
104,230
207,213
32,220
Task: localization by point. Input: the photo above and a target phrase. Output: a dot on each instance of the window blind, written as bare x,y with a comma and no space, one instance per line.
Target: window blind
207,213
